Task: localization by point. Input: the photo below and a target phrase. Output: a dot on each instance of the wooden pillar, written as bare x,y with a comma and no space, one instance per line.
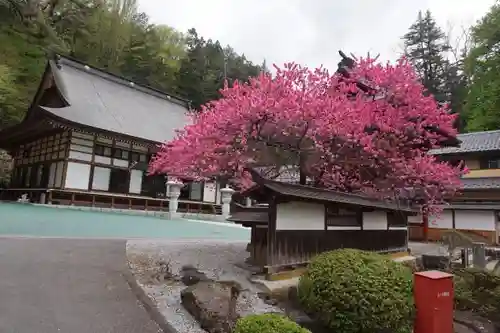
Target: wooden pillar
271,233
252,245
425,221
453,219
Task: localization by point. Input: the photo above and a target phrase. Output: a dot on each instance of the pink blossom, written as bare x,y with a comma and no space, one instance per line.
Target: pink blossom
322,120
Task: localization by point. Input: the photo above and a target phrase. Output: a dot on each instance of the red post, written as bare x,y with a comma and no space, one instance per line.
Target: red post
425,220
433,293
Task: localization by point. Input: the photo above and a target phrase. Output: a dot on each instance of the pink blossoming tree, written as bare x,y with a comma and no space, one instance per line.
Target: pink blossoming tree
372,140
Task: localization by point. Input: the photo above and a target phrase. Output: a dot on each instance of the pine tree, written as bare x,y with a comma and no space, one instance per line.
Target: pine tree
426,46
482,67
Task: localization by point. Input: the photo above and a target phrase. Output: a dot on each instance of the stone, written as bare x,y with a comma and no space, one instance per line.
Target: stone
191,275
213,305
413,263
431,261
470,322
293,295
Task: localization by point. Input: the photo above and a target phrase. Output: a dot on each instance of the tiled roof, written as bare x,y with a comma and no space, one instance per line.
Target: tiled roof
257,217
476,206
326,195
473,142
319,194
101,100
481,183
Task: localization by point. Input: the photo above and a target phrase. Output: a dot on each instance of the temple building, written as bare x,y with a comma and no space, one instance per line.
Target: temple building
301,221
88,137
476,210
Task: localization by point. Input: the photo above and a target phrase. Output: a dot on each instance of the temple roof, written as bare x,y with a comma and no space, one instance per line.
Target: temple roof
325,195
93,99
482,183
473,142
98,99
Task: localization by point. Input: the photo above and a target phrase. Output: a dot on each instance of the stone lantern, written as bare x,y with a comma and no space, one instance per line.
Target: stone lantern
226,196
174,191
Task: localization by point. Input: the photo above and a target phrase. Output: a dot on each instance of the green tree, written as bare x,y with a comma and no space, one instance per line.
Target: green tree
439,65
21,64
207,66
9,98
482,66
425,46
114,36
455,90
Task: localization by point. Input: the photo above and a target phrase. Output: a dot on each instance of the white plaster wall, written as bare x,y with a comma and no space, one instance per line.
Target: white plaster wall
300,216
84,142
209,192
77,176
101,179
59,174
218,194
120,163
135,181
376,220
475,220
102,159
417,219
81,148
76,155
443,221
195,191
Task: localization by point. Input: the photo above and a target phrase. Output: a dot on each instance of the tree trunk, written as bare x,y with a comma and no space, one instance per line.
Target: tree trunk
302,174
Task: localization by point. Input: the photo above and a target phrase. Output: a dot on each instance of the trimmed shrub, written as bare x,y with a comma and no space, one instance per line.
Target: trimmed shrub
478,291
356,291
267,323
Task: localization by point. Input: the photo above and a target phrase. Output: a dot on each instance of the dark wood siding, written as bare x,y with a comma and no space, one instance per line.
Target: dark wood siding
416,232
258,247
299,246
338,216
397,219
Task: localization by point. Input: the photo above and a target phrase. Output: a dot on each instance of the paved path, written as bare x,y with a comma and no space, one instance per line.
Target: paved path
67,286
30,220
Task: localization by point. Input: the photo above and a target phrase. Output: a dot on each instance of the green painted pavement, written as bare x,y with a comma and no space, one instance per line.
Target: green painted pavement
30,220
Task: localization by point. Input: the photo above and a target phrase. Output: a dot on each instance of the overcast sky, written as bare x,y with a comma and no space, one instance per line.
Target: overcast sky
310,32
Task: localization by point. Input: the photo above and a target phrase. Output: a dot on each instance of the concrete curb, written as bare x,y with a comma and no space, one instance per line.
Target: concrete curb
148,304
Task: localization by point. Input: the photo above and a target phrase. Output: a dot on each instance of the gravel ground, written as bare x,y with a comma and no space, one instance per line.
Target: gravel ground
215,258
418,248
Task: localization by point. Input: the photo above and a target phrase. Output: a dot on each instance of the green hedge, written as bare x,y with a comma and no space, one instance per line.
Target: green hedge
268,323
479,291
360,292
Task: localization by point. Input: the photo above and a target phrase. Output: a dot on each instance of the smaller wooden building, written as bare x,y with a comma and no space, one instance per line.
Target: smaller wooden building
301,221
476,210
